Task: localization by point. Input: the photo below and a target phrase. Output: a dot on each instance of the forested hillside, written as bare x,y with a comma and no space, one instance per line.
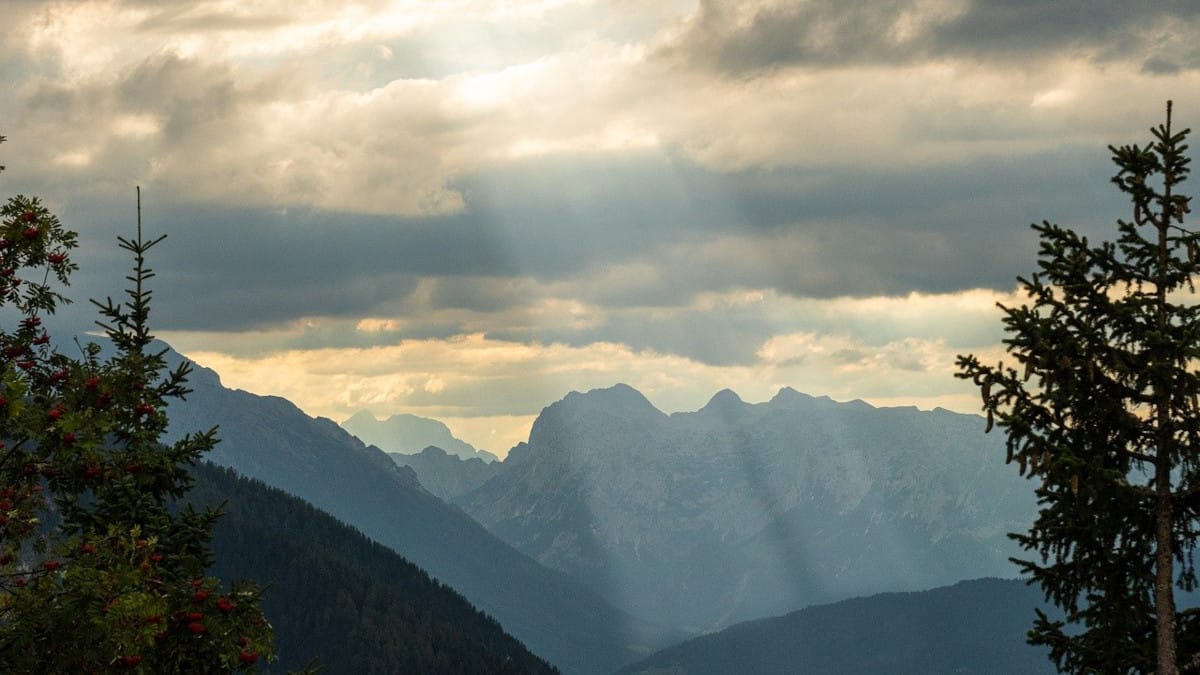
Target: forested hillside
334,594
970,628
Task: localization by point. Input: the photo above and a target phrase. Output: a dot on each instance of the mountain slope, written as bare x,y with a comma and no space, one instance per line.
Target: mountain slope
738,511
269,439
973,627
447,476
333,594
408,434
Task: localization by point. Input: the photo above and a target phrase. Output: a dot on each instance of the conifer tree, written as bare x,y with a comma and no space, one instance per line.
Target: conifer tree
97,573
1101,409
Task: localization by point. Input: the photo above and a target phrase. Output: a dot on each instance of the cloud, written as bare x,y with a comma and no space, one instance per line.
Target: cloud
609,244
744,194
739,38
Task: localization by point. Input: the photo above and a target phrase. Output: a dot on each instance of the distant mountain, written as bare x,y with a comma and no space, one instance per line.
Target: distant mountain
738,511
409,434
333,594
447,476
270,439
970,628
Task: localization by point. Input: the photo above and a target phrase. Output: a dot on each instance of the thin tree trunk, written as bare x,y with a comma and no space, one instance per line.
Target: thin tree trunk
1164,561
1164,594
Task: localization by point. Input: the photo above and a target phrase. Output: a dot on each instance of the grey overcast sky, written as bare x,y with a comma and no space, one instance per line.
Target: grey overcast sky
463,209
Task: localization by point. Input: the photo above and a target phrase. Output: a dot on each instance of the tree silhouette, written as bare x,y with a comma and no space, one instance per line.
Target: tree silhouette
1101,408
97,573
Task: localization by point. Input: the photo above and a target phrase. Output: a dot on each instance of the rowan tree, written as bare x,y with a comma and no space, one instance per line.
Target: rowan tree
98,571
1100,408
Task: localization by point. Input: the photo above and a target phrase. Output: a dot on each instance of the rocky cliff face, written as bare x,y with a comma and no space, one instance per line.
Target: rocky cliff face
737,511
447,476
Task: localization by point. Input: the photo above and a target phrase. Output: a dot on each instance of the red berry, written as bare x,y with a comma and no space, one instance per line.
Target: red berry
91,471
51,565
57,258
29,217
31,322
156,557
144,409
199,597
225,604
248,656
131,659
92,383
31,233
197,627
25,365
68,438
87,548
41,339
194,616
55,413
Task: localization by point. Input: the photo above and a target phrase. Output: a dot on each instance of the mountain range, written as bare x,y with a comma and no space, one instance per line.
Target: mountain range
270,439
736,511
409,434
445,475
617,529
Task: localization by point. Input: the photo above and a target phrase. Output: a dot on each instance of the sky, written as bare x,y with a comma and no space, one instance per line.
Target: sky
464,209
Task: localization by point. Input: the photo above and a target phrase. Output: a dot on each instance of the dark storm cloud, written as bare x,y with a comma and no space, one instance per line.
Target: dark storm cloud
832,32
572,226
253,268
730,337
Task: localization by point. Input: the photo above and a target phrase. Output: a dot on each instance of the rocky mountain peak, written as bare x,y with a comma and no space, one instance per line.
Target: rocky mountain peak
619,397
724,400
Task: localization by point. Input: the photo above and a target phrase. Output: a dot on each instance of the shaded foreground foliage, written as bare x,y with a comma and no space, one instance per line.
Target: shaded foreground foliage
1102,408
96,573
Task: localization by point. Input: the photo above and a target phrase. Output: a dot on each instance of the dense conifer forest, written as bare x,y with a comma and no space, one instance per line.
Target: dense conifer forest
335,595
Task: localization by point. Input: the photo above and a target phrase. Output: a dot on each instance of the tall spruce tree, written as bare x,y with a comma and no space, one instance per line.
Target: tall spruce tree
1101,408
